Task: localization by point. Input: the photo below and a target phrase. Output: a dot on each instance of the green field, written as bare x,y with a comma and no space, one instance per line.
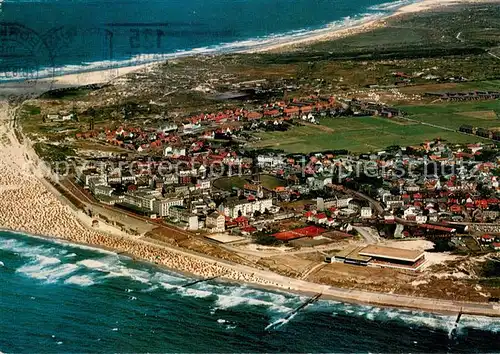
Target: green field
452,115
360,134
268,181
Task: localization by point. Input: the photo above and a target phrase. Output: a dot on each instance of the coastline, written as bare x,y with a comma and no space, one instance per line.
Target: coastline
355,297
66,225
414,7
284,44
29,206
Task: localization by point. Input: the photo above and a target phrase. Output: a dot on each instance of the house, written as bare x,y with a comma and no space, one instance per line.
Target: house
496,246
309,215
487,238
215,222
318,183
248,230
183,215
366,213
174,152
171,127
241,221
103,190
320,218
389,219
421,219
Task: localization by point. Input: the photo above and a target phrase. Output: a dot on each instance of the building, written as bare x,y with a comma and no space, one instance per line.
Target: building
366,213
161,206
380,256
342,202
171,179
103,190
349,255
182,214
140,199
391,257
246,208
215,222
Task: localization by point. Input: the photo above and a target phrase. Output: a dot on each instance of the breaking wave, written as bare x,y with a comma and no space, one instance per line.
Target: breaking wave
81,280
68,265
444,323
393,5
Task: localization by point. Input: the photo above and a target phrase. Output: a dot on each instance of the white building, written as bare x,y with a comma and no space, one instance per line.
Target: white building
142,199
103,190
161,206
366,212
269,161
215,222
247,208
203,184
170,151
421,219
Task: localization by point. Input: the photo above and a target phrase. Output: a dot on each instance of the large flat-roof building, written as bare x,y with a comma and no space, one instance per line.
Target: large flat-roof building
380,256
393,257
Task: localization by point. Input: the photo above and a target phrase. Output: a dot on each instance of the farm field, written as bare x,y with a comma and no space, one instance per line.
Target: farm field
357,135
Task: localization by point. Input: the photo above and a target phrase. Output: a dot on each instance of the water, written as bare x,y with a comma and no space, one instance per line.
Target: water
50,37
56,297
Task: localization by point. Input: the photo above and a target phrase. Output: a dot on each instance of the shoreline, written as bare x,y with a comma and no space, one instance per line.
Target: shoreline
284,44
271,288
30,207
19,209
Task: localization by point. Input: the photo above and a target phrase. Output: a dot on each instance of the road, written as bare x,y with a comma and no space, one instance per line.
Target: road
368,234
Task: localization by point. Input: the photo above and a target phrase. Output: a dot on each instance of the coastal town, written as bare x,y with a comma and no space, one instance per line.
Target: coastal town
385,187
202,180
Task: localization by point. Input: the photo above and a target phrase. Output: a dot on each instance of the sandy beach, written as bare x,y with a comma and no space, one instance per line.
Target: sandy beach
28,205
368,25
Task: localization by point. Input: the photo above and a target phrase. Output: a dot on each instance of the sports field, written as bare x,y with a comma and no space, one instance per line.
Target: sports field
358,134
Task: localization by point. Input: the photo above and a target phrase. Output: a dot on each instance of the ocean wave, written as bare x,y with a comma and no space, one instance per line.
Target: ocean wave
480,322
393,5
16,245
80,280
26,250
415,318
92,264
241,295
113,267
378,314
48,274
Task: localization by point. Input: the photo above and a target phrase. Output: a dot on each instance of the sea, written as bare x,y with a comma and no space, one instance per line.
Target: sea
61,297
43,38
